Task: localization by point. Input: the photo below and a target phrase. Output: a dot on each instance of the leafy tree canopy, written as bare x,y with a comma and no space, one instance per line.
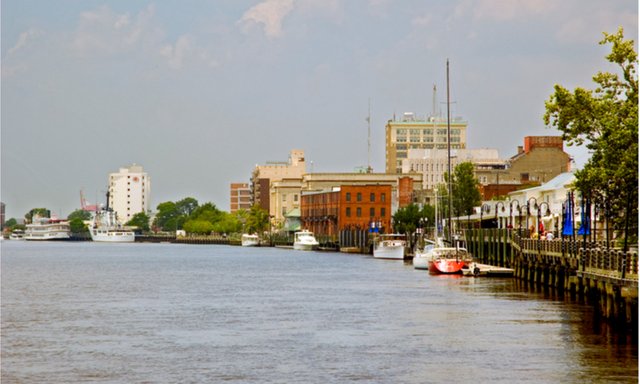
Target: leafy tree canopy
79,214
77,225
139,220
407,219
606,121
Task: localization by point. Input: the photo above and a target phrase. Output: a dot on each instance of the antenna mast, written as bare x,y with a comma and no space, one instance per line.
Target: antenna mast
369,139
433,102
449,154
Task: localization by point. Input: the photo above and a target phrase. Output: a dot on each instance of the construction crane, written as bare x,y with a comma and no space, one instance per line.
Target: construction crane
85,206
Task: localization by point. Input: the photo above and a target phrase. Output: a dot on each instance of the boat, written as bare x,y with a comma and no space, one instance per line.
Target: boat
422,256
17,234
106,229
250,240
44,228
477,269
304,241
448,260
389,246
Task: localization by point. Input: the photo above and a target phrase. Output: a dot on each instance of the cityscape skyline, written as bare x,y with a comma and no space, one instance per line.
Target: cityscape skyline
200,92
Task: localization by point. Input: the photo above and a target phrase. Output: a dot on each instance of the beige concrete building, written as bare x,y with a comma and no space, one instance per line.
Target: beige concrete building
265,176
129,192
411,132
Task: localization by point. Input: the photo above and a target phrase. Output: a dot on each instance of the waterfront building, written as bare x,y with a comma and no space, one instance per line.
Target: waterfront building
129,192
2,215
263,176
347,206
240,197
412,132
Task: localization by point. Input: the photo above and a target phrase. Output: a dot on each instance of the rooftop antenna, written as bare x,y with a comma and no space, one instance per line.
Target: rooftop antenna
433,102
369,139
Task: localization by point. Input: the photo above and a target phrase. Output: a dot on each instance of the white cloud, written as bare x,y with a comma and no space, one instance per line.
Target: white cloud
24,39
177,53
503,10
102,31
270,14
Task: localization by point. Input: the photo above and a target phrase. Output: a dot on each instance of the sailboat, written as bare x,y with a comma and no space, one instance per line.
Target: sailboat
448,259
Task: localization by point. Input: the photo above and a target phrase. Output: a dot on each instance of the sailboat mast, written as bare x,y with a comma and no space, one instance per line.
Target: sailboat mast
369,139
449,155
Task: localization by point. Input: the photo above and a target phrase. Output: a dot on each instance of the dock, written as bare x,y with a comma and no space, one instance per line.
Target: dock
477,269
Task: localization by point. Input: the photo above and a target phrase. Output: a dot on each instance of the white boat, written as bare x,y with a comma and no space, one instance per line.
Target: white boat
422,256
17,234
389,246
105,228
304,241
48,229
250,240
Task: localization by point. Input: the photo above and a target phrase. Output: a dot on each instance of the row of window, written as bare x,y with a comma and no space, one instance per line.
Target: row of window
426,131
372,212
372,197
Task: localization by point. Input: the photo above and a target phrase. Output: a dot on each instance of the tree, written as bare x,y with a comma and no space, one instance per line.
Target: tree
12,222
465,190
77,225
168,218
227,223
79,214
201,227
139,220
37,212
606,121
257,220
186,206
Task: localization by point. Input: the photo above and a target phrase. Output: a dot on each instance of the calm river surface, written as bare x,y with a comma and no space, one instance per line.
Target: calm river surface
167,313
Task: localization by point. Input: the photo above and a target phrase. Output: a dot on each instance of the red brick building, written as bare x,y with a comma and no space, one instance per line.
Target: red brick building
350,206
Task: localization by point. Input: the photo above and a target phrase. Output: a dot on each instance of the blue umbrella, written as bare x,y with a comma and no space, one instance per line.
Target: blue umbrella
567,226
585,217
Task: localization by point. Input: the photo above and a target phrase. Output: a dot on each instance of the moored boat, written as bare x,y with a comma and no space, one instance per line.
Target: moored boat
449,260
304,241
17,234
389,246
48,229
249,240
105,228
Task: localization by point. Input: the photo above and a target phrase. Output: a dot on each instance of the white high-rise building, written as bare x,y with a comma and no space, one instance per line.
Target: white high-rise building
129,192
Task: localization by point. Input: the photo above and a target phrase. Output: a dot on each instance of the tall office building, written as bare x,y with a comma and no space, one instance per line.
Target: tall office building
129,192
411,132
240,195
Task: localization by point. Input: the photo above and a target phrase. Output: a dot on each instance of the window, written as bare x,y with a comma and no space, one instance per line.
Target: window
402,132
284,198
383,212
359,197
372,197
359,212
348,197
295,198
372,212
348,212
383,197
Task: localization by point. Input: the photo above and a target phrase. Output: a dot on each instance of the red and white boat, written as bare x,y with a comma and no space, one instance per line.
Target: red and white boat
448,260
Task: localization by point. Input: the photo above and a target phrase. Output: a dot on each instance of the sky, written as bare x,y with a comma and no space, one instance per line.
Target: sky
198,92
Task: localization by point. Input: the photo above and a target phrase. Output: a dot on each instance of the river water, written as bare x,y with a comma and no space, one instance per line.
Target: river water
168,313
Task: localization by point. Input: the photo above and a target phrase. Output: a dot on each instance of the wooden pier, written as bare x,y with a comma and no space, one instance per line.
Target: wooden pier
605,278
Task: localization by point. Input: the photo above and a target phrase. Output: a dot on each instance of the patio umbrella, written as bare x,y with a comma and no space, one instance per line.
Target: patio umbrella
585,217
567,220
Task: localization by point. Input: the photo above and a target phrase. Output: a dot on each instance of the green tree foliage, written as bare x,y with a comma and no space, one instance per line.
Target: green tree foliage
197,226
77,225
168,217
606,121
407,219
37,212
466,194
257,220
227,223
79,214
139,220
12,222
186,206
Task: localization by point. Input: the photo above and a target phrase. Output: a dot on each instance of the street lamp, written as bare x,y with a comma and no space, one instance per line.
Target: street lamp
535,206
484,208
547,213
511,209
499,203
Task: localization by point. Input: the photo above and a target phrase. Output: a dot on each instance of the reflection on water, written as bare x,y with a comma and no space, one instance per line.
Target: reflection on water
174,313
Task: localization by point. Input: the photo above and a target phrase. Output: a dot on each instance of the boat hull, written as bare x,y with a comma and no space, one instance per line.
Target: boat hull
446,266
420,262
112,236
394,252
250,241
305,247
